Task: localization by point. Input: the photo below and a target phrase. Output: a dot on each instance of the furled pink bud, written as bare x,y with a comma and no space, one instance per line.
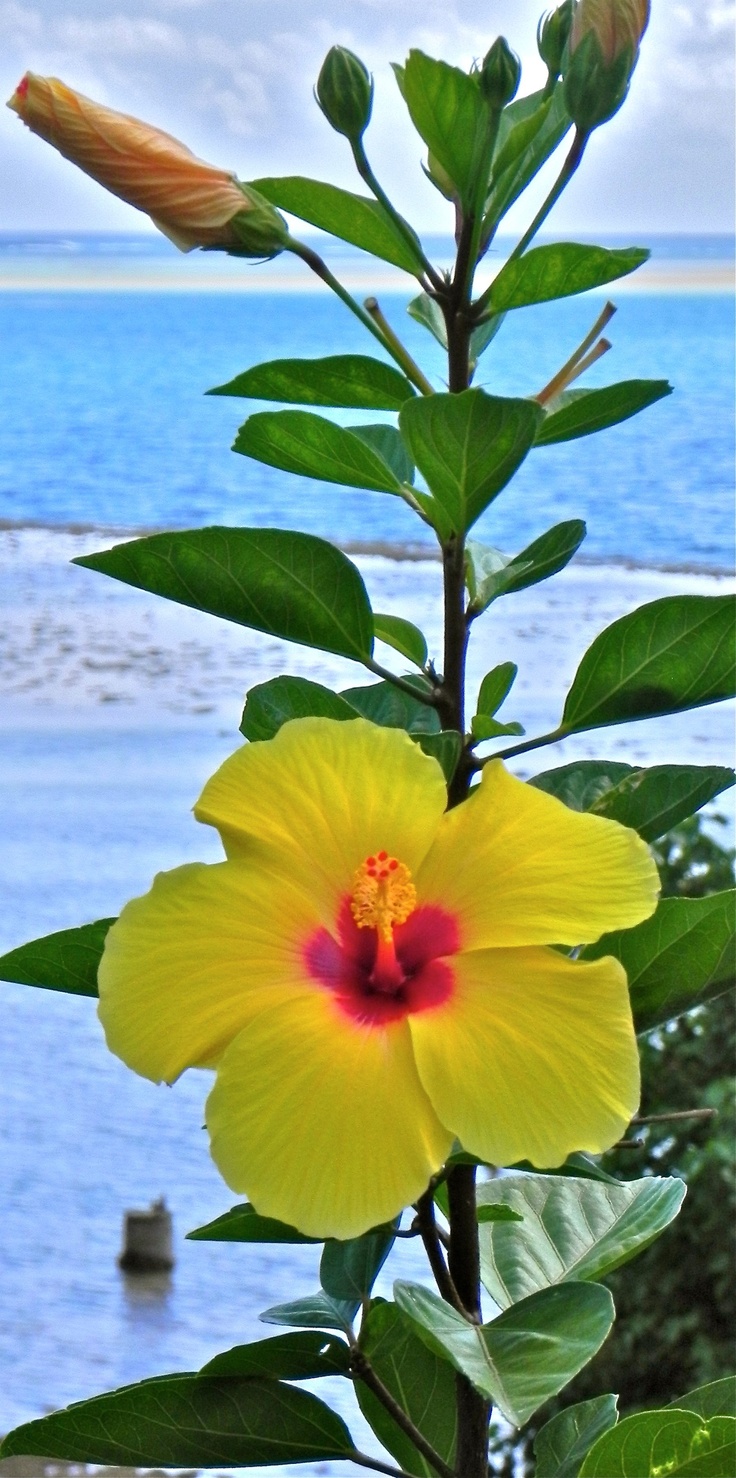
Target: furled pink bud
618,24
192,202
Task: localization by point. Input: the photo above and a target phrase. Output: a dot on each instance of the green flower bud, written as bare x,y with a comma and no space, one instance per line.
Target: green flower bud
553,33
603,51
500,73
344,92
258,230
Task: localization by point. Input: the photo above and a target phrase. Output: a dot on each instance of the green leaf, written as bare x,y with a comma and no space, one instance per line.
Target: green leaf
316,1311
668,656
497,1213
445,748
577,1167
352,380
349,1269
718,1398
530,132
496,686
186,1421
303,1356
665,1444
484,335
484,727
66,961
684,955
581,412
273,703
450,113
427,311
468,447
490,574
562,1444
312,446
354,218
403,636
387,443
559,271
423,1385
528,1354
243,1224
385,704
573,1229
289,585
652,801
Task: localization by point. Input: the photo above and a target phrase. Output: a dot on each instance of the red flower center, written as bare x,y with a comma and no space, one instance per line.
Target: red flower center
377,978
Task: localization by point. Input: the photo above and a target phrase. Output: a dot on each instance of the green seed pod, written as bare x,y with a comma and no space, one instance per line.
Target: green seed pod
344,92
500,74
553,33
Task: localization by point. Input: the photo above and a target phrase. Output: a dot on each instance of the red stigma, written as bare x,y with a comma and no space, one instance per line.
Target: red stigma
22,88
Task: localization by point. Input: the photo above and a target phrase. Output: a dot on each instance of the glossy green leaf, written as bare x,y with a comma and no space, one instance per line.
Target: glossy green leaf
316,1311
354,218
490,574
340,379
403,636
573,1229
562,1444
387,705
289,585
559,271
484,335
302,1356
665,1444
243,1224
652,801
484,727
468,447
718,1398
388,444
427,311
529,1353
577,1167
582,412
496,686
673,654
312,446
446,748
273,703
684,955
66,961
450,113
423,1384
349,1269
531,129
187,1421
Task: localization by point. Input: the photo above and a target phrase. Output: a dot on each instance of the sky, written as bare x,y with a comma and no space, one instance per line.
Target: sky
233,79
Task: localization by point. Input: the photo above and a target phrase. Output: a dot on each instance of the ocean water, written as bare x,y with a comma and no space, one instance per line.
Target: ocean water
104,424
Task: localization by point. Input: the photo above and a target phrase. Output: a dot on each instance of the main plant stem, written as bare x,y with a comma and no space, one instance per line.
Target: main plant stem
473,1411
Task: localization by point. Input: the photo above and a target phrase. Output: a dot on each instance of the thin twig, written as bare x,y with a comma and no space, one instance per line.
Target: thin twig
560,382
363,1461
363,1370
628,1144
430,1237
401,354
703,1113
366,173
562,377
400,682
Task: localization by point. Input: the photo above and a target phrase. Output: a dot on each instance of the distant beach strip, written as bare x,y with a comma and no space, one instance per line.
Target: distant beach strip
148,263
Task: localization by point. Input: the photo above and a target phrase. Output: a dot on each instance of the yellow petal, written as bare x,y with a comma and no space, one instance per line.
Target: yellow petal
181,963
519,867
322,796
534,1057
322,1122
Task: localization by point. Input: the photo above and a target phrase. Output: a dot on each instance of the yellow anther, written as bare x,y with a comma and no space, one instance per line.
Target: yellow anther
383,894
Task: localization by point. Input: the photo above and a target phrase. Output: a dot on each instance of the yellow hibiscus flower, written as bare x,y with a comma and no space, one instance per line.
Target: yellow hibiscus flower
370,975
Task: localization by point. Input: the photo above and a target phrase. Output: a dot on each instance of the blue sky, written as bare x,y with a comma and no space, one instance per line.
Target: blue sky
233,79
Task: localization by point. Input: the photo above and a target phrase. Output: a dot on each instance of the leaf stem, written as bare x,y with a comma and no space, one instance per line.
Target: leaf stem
506,754
401,354
430,699
433,1248
362,1460
321,270
563,179
363,1370
703,1113
366,173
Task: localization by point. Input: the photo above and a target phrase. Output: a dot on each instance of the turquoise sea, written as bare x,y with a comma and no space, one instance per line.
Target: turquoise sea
104,425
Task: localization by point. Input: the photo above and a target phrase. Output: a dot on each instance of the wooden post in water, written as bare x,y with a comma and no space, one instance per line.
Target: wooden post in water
147,1240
